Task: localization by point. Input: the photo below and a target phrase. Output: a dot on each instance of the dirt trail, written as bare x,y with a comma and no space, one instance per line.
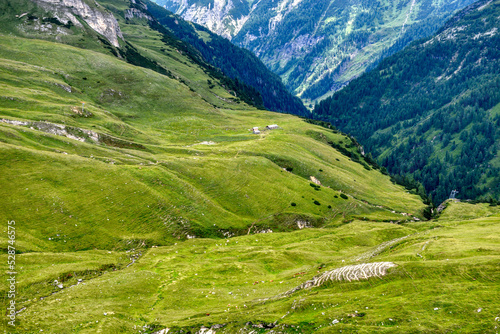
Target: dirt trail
379,249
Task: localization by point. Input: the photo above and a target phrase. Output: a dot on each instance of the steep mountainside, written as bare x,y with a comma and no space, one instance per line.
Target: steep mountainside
318,46
96,27
137,200
432,111
176,121
235,62
249,76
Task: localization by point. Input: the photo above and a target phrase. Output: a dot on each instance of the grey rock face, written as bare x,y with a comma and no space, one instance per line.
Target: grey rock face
135,13
95,16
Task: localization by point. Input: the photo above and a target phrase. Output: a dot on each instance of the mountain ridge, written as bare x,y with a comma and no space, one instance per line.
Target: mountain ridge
317,47
235,62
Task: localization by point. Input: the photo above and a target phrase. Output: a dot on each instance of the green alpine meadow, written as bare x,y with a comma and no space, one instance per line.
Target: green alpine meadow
149,183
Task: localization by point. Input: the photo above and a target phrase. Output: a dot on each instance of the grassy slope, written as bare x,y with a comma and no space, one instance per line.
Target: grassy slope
149,183
85,210
446,280
180,186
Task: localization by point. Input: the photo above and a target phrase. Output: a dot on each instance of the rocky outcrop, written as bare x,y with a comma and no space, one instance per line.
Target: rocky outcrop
217,18
227,17
75,133
58,130
136,13
97,17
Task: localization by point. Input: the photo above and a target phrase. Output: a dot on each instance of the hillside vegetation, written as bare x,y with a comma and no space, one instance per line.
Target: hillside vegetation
431,112
179,147
187,163
235,62
445,279
103,159
142,201
318,46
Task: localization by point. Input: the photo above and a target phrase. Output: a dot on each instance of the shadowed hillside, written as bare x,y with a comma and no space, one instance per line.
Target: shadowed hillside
431,112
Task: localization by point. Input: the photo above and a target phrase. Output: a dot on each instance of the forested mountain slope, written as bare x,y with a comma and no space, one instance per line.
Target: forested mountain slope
318,46
432,110
235,62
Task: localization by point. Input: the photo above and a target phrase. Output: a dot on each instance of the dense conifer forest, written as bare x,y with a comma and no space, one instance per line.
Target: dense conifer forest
430,113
